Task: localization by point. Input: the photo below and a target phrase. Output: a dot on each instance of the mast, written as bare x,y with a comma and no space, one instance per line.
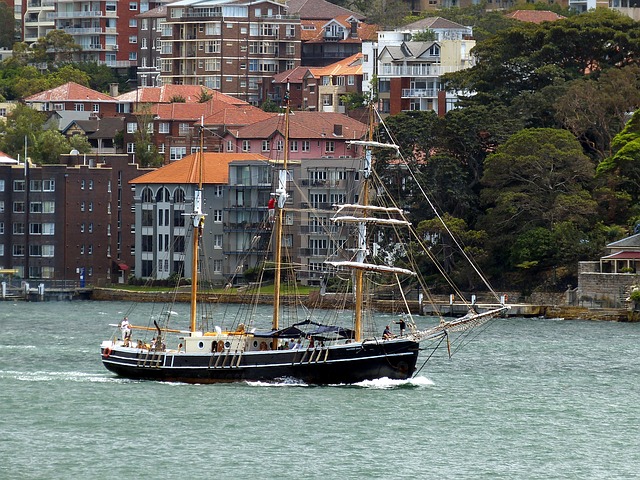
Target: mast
281,197
197,217
361,249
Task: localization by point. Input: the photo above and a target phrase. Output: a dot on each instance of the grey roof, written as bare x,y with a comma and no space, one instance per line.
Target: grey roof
433,23
319,10
104,128
63,118
632,241
408,50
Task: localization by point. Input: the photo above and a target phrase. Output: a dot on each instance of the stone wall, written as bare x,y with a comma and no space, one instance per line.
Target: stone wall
604,289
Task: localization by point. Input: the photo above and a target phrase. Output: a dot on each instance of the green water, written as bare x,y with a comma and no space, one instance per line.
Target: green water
527,399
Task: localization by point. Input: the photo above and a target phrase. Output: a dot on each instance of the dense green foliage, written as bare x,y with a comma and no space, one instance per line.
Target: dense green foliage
537,170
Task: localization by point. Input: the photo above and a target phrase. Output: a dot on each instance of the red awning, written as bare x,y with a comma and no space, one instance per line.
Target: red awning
123,266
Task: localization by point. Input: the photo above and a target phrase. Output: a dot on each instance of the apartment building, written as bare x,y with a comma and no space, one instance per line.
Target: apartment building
408,73
233,46
106,30
164,198
71,221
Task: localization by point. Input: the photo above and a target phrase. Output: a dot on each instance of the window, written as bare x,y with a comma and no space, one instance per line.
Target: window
217,266
217,241
48,229
329,146
18,250
48,250
351,80
18,207
176,153
18,228
163,127
131,148
218,191
132,127
1,185
279,145
293,145
183,129
306,145
265,146
133,56
133,5
48,185
78,107
217,216
230,146
35,185
133,39
246,146
35,207
90,184
18,185
133,22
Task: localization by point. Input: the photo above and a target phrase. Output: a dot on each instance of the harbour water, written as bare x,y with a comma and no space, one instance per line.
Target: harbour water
526,399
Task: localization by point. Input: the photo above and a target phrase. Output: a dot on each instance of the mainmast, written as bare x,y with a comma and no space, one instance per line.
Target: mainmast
197,218
361,248
281,198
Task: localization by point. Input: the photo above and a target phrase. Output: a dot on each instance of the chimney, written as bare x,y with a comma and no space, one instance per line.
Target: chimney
113,89
337,130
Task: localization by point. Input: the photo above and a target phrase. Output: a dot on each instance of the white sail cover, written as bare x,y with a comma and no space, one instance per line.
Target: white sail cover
371,267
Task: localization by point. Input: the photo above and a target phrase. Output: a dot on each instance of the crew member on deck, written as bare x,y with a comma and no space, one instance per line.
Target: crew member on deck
387,333
403,325
126,329
271,206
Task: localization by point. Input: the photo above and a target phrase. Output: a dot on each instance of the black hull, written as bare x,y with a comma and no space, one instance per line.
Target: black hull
343,364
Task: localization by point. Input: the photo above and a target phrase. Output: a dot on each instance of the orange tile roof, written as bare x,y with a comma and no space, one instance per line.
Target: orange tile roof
347,66
535,16
304,125
186,170
165,93
70,91
295,75
237,116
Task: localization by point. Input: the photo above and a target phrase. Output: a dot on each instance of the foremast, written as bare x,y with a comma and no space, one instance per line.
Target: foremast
281,198
197,221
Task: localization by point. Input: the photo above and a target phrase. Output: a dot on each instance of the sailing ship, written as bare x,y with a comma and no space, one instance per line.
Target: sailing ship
309,351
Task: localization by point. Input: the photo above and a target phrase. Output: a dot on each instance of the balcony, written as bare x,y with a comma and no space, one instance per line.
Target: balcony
419,93
416,70
55,15
82,31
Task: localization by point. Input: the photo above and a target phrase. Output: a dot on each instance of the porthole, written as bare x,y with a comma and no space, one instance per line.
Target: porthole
201,345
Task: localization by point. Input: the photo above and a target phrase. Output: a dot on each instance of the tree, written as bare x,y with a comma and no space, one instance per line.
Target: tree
529,57
387,13
204,96
23,122
146,152
56,46
7,26
538,179
595,108
424,36
50,145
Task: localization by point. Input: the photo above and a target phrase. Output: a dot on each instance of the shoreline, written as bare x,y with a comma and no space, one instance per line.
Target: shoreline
390,306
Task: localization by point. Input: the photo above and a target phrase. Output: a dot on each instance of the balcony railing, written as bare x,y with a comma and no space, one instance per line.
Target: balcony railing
78,31
53,15
419,93
416,70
